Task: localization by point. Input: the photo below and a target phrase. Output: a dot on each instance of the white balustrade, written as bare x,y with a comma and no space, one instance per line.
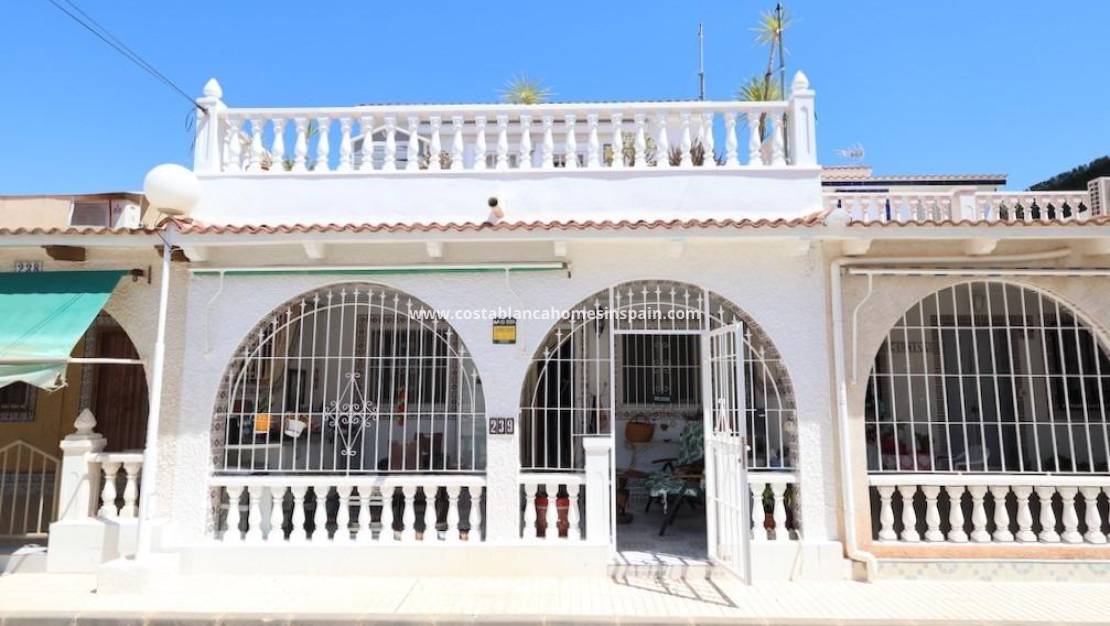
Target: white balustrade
119,483
962,206
280,510
552,507
773,505
990,508
613,135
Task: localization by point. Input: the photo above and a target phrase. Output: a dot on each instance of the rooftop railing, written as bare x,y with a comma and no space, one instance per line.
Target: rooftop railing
969,205
499,138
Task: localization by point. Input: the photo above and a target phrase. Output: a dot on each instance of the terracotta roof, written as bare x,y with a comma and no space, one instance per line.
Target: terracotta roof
79,230
815,219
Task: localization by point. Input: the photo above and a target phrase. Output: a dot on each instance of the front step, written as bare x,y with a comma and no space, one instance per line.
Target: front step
688,571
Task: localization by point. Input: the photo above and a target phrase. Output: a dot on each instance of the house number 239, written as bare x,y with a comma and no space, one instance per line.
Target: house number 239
502,425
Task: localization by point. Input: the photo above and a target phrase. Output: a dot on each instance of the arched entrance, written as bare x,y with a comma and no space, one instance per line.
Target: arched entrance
664,369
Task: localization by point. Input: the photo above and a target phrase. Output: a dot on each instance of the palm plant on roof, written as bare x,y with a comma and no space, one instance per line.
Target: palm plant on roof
524,90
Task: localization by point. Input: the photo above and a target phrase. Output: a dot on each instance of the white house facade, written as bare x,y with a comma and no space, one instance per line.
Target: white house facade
385,337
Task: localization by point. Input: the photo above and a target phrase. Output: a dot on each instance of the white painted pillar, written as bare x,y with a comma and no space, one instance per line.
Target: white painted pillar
802,123
206,148
598,474
76,541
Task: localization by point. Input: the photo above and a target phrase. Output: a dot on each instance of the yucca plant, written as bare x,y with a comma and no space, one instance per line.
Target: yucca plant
524,90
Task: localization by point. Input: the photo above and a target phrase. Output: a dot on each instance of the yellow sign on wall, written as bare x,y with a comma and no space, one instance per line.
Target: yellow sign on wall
504,331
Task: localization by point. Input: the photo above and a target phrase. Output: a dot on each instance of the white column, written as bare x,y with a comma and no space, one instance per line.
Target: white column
412,153
389,162
1069,516
343,515
662,141
480,147
731,158
574,532
802,121
778,139
524,156
640,142
254,514
502,142
366,154
755,141
979,532
233,532
1024,516
408,517
435,146
547,155
208,139
323,146
593,143
298,534
345,157
686,142
131,488
570,143
452,533
78,487
388,535
257,151
457,148
598,474
365,533
757,486
618,141
909,515
108,491
551,519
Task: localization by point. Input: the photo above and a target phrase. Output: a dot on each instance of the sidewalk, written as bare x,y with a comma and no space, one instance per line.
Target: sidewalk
33,598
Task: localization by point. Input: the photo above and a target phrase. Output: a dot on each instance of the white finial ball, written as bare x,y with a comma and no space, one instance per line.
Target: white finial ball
212,89
801,82
172,189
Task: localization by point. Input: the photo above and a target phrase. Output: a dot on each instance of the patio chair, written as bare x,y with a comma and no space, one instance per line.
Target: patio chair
681,479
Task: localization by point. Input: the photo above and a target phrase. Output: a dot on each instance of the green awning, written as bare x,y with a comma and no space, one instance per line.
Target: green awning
42,317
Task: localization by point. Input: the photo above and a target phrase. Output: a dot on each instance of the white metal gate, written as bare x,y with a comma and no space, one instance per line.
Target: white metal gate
726,469
28,490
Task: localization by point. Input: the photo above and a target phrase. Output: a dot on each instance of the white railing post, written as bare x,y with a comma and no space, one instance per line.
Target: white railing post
206,149
77,538
802,122
597,450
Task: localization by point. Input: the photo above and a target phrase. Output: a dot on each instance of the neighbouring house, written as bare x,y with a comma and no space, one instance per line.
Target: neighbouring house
573,338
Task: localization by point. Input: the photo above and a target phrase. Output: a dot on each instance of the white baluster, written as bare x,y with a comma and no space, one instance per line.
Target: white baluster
778,140
301,144
323,146
232,147
457,148
618,142
436,145
256,153
476,495
662,141
429,517
1047,516
755,140
480,148
524,157
886,513
932,513
909,515
530,511
979,532
1069,516
320,514
366,154
551,518
1001,514
707,139
778,492
254,514
389,162
452,533
274,531
298,533
547,154
574,518
639,144
593,143
1024,515
759,532
342,515
388,534
408,517
686,143
277,147
412,153
130,489
108,489
1091,516
234,515
570,144
502,142
731,158
345,159
364,534
956,532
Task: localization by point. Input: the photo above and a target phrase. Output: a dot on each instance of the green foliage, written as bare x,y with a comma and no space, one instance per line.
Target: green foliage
525,90
1076,178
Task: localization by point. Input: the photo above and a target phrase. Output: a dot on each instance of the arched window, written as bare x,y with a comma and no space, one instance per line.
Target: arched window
350,379
989,377
653,329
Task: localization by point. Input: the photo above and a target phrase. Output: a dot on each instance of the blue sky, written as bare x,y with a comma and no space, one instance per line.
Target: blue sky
1018,86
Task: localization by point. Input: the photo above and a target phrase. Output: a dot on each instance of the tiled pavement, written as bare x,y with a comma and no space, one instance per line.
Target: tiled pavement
69,599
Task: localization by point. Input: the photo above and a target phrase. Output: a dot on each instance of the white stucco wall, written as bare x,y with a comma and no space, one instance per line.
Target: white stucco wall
781,289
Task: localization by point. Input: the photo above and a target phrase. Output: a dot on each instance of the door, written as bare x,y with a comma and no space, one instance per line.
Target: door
119,399
728,515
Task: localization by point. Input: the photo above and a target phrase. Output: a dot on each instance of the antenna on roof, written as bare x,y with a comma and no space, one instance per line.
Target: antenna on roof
701,62
854,154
